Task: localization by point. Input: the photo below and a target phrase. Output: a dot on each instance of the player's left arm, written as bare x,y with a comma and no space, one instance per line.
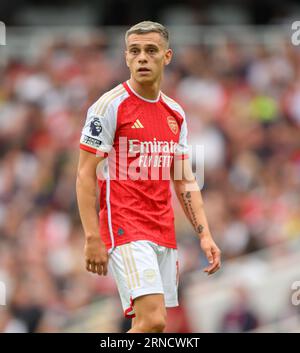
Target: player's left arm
190,198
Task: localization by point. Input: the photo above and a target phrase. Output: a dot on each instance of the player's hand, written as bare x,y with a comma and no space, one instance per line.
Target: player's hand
96,255
212,253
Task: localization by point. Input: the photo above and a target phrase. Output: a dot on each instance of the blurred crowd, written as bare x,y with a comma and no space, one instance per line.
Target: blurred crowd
242,104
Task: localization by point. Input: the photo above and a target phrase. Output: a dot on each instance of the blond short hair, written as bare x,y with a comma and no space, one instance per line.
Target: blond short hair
148,27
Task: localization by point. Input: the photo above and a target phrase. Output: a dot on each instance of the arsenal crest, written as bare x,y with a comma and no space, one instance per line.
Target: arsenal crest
172,124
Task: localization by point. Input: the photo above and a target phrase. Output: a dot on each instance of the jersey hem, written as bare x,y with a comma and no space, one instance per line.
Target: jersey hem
87,148
98,152
159,243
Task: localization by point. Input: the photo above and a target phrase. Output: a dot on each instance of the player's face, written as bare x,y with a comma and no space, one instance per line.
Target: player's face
146,56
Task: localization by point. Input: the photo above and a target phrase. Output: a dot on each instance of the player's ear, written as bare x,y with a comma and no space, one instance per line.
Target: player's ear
168,56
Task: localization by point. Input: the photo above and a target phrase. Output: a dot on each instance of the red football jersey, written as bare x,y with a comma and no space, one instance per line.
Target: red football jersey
140,138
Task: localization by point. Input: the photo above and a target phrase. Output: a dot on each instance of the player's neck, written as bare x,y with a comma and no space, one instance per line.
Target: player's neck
147,91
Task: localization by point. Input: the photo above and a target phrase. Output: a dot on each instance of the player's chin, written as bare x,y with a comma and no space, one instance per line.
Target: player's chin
145,79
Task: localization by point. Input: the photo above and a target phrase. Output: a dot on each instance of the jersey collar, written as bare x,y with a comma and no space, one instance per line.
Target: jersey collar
139,96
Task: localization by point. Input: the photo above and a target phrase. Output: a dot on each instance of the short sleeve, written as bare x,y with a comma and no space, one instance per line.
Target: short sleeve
98,132
182,148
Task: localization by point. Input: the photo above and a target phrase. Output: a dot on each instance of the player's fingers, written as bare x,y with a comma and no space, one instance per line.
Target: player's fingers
209,255
99,269
209,268
216,254
92,266
215,269
105,269
212,266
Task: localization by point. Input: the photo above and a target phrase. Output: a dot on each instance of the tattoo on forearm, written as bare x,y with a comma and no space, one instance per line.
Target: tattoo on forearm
200,228
187,202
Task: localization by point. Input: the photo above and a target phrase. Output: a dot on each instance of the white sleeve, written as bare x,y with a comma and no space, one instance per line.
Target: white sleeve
182,147
98,132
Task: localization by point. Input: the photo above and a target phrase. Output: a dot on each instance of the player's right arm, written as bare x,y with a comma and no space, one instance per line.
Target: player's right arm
96,141
96,255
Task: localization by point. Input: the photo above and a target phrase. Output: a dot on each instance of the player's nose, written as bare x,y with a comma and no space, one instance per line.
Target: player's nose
142,57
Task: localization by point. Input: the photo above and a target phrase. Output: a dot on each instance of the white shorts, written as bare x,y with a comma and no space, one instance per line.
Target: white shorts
143,267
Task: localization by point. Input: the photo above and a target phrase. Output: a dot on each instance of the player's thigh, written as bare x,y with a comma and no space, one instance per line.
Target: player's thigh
134,266
150,306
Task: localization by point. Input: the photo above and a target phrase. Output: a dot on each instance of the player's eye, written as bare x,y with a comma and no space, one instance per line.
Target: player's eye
134,51
152,50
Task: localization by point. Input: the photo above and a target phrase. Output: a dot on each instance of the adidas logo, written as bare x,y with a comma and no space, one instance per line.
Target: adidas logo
137,125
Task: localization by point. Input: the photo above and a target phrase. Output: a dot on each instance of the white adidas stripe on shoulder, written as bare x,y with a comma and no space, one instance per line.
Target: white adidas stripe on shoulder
101,105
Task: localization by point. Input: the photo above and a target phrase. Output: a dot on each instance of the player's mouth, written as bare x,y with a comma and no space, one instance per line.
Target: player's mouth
143,70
